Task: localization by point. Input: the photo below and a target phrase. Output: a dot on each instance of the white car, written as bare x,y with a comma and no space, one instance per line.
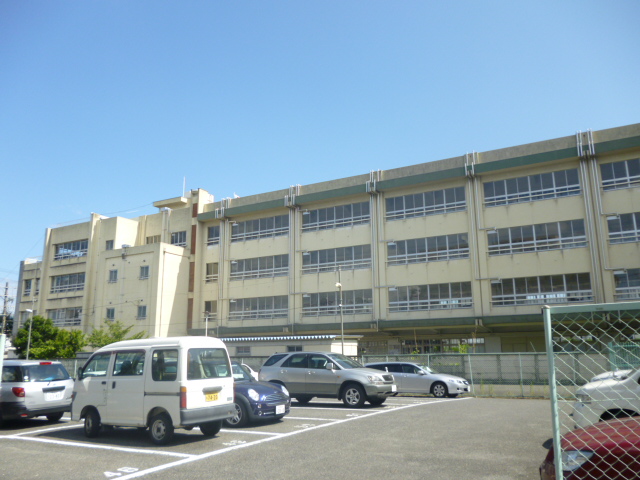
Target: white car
613,397
414,378
611,374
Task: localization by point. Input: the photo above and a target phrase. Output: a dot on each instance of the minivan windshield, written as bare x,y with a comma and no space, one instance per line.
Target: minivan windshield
345,362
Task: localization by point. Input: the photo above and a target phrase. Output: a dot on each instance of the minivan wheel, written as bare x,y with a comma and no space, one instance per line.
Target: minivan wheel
439,390
353,396
210,429
303,399
92,423
54,417
161,429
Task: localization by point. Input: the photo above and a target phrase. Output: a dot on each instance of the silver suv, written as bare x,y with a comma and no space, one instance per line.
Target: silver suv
33,388
328,375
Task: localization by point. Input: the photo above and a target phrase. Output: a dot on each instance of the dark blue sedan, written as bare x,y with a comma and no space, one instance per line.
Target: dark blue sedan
256,400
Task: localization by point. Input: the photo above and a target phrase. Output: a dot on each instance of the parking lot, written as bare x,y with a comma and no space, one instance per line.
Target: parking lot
407,437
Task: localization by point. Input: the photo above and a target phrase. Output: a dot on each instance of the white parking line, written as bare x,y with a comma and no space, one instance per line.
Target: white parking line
249,432
289,417
166,466
99,447
52,429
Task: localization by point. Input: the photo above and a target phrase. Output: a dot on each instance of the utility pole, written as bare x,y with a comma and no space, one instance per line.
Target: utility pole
6,300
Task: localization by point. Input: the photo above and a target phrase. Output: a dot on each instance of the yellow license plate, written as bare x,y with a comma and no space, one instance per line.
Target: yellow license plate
211,397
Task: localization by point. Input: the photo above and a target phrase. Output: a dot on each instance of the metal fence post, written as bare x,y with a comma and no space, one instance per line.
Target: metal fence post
555,421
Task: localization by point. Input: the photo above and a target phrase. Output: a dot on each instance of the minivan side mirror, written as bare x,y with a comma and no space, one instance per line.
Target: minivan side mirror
330,366
79,375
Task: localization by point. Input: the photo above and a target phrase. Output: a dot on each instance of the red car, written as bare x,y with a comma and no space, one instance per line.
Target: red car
604,450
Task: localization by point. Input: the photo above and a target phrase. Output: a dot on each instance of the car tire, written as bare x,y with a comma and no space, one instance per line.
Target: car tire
92,423
241,417
303,399
439,390
353,396
376,400
54,417
211,429
161,429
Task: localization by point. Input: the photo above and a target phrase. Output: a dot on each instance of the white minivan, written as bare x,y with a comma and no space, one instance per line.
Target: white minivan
610,397
159,383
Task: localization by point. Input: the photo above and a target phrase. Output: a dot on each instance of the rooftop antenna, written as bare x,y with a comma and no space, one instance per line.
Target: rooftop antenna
184,185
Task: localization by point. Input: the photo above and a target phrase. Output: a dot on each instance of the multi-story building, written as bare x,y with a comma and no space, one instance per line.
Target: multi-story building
442,256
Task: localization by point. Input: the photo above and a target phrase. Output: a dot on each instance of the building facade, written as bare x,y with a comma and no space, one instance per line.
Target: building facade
451,255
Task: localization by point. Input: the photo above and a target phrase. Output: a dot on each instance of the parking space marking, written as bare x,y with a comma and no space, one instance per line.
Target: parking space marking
52,429
214,453
311,418
249,432
98,447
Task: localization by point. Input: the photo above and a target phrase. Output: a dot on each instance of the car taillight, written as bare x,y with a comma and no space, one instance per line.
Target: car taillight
18,391
183,397
45,363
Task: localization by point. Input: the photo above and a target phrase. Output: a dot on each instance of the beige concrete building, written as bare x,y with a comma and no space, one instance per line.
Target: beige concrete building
457,254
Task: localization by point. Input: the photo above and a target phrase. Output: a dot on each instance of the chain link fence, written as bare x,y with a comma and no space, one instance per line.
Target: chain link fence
594,359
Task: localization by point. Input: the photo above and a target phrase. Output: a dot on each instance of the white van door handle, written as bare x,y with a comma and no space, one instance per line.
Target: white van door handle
113,385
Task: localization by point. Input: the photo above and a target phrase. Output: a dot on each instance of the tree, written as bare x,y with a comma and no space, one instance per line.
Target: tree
114,332
47,340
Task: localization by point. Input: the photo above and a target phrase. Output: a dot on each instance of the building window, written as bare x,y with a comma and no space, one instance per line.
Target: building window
179,239
109,245
213,235
243,351
142,312
144,272
328,303
260,267
430,249
537,238
71,249
113,276
27,287
111,314
259,308
153,239
67,283
347,258
571,287
210,309
624,228
532,188
439,296
211,272
66,317
627,284
294,348
260,228
336,217
623,174
436,202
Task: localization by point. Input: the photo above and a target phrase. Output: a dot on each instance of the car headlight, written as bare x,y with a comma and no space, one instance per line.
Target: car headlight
583,398
253,395
375,379
284,390
574,459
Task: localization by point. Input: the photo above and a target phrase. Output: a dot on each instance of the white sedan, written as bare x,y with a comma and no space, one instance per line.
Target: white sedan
414,378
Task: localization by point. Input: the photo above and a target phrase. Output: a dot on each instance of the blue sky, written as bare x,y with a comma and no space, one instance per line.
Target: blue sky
106,106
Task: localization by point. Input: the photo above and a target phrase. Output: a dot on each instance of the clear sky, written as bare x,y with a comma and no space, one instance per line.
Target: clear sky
107,105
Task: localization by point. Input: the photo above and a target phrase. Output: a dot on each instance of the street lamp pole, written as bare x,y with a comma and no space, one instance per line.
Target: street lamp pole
29,338
339,285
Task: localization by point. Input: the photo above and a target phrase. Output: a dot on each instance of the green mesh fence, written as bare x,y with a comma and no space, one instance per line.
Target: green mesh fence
594,354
